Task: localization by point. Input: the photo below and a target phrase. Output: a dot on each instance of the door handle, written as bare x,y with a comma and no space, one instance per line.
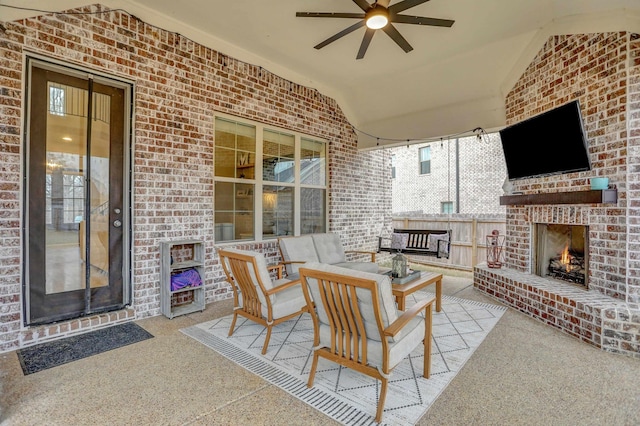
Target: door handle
117,223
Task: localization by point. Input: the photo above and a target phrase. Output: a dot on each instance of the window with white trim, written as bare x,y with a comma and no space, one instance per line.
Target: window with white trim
393,166
425,160
269,182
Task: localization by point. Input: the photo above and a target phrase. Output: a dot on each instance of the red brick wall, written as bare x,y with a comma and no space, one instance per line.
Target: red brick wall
179,84
602,71
633,176
593,69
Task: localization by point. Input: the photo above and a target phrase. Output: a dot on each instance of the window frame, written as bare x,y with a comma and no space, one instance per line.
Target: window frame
393,166
422,162
259,183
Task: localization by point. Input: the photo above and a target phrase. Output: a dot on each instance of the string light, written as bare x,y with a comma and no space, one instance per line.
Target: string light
420,140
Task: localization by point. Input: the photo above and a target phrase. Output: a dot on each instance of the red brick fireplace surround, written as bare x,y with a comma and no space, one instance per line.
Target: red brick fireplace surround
602,71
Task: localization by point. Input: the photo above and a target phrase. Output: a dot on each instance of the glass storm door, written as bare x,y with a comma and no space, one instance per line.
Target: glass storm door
75,206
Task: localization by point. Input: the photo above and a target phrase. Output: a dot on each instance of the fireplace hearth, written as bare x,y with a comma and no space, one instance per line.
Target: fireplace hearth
561,252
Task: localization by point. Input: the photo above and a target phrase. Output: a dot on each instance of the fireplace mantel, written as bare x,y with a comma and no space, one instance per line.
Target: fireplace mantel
605,196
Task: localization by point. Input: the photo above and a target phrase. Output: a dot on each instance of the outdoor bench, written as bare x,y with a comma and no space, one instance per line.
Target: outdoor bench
424,242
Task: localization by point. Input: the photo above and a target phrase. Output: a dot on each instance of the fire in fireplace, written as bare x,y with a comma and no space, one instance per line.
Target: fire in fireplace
561,252
568,266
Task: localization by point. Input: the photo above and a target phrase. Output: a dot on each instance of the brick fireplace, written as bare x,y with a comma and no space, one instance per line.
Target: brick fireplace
561,252
599,70
584,311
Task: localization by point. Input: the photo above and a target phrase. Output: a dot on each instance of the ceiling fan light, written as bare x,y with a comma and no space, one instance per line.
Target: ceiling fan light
377,18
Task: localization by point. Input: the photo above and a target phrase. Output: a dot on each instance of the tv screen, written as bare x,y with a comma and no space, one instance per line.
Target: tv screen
550,143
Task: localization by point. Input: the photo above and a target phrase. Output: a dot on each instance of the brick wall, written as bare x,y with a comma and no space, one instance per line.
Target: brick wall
593,69
480,168
178,86
633,168
601,71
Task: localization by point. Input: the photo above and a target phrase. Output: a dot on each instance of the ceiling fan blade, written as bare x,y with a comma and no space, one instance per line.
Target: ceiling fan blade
404,5
340,34
421,20
397,37
363,4
329,15
365,43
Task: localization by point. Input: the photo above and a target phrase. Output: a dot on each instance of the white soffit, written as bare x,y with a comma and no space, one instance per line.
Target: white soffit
453,81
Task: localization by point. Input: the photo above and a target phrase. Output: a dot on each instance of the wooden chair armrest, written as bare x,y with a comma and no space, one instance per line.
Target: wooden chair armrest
279,267
372,253
407,316
289,262
283,286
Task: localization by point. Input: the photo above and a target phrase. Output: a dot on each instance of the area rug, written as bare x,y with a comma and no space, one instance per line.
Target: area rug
343,394
52,354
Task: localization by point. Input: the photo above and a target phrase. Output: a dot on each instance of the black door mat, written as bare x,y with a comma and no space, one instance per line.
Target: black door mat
51,354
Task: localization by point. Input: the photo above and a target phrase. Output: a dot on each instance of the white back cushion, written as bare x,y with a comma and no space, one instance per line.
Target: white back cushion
261,271
329,248
386,300
297,249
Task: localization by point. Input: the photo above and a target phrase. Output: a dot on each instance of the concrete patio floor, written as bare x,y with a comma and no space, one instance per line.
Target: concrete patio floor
524,373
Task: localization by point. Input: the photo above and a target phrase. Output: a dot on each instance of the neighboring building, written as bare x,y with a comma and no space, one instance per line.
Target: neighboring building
462,175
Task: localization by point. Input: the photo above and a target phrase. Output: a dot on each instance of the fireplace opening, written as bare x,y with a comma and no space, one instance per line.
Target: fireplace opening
561,252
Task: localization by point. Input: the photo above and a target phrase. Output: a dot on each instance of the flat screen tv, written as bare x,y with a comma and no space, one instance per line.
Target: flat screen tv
553,142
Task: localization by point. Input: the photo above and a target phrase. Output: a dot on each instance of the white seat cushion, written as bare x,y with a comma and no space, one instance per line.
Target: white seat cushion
360,266
287,301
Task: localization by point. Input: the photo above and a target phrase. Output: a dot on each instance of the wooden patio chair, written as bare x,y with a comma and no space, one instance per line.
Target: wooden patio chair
370,336
256,296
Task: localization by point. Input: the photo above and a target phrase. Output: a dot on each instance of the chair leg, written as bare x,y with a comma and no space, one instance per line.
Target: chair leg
426,369
233,323
383,397
266,340
312,373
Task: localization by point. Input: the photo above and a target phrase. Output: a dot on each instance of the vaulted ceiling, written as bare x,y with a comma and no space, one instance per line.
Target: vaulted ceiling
453,81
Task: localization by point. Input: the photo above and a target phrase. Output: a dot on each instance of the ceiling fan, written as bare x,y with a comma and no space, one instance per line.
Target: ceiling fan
378,15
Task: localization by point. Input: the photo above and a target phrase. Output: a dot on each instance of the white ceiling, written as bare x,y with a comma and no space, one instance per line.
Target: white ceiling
453,81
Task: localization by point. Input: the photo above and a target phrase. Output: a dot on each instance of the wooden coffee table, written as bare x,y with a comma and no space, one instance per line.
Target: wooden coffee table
401,291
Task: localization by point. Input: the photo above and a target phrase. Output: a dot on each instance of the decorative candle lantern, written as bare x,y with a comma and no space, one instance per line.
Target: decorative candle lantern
399,262
495,247
399,266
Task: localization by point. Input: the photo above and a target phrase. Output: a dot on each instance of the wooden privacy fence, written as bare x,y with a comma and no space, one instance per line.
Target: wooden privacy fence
468,237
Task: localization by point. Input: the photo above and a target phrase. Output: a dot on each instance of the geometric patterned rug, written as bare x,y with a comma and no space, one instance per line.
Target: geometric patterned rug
344,395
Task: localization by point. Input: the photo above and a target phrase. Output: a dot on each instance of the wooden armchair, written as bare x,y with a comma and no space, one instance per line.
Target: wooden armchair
255,295
370,336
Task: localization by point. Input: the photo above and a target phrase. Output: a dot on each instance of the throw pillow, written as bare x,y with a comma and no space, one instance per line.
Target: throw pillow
399,241
432,243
